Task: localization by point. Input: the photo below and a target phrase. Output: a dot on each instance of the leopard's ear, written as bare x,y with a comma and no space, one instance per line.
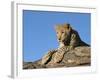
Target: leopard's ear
57,26
68,26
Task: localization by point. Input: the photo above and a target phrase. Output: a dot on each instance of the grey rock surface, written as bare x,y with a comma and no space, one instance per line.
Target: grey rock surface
80,56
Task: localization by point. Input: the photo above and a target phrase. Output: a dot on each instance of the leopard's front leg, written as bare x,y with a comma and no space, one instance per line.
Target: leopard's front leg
58,56
47,57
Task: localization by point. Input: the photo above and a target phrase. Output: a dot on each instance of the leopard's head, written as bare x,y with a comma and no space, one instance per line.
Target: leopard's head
63,32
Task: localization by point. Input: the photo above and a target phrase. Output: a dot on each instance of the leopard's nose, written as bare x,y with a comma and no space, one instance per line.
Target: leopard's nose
59,39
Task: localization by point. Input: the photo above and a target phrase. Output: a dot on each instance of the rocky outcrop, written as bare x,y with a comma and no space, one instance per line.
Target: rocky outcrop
80,56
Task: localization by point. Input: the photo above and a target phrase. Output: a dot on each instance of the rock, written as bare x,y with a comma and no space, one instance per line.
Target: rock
82,51
80,56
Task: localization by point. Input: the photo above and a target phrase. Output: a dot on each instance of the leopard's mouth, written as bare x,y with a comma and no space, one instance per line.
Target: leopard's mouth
61,40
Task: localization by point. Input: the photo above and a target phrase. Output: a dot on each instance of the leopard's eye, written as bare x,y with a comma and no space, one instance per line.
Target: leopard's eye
62,31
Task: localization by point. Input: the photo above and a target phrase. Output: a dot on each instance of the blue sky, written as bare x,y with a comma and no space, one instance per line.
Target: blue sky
39,34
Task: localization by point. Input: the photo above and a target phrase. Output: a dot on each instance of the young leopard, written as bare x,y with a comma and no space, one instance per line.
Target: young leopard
68,37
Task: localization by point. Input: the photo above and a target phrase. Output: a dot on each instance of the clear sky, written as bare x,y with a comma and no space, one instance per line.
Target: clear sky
39,34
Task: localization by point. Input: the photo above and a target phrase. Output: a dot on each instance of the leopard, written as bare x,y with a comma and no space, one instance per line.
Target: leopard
69,37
